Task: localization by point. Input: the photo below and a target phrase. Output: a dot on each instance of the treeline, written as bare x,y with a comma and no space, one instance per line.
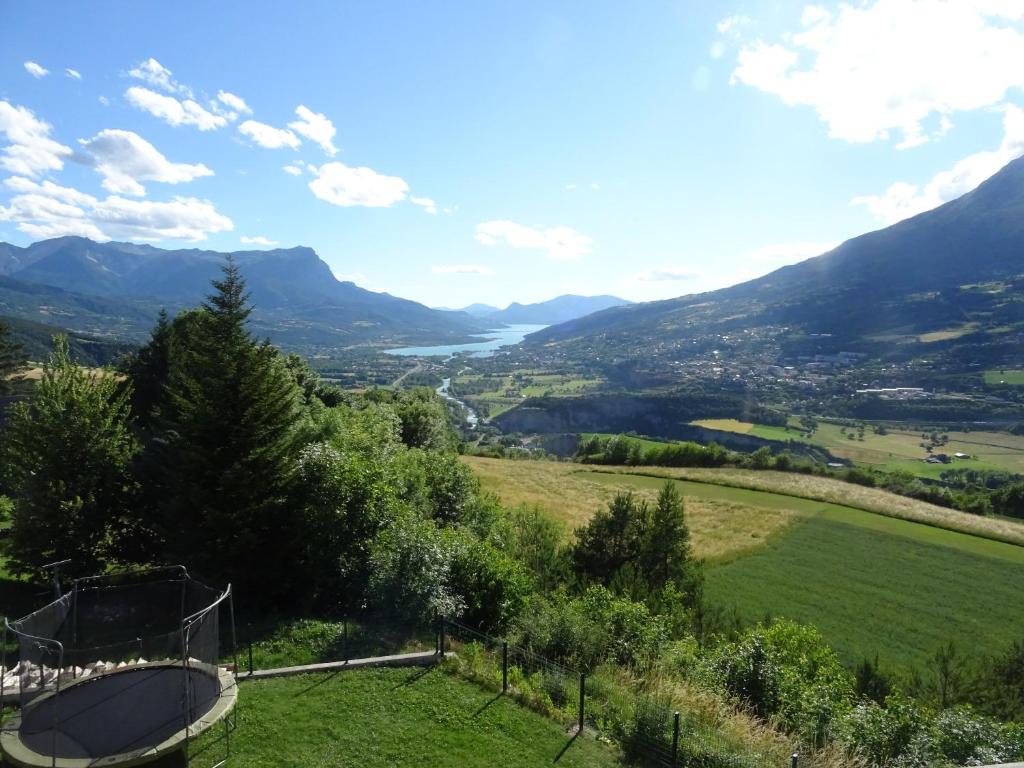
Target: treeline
975,492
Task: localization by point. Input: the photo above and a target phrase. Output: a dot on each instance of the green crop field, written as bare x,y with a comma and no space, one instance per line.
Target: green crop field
871,592
395,717
870,580
1015,378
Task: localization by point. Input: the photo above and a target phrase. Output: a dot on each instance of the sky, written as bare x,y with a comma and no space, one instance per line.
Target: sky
492,152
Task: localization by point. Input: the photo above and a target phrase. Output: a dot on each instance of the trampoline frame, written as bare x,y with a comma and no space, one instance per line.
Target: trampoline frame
222,710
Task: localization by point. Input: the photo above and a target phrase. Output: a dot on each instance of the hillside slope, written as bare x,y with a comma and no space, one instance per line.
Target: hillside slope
958,268
96,286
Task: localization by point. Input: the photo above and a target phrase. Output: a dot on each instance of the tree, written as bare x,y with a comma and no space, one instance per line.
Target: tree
640,551
12,357
232,428
66,454
147,370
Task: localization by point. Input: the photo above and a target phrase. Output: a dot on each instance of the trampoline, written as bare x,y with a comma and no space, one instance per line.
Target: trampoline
88,695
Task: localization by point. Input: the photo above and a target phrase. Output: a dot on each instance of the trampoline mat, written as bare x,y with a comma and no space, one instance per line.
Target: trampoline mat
127,711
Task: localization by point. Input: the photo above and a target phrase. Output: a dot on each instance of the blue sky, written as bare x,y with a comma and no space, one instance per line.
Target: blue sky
482,151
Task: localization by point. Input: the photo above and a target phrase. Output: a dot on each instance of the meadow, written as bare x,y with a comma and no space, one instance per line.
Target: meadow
772,548
874,593
379,718
509,390
1013,378
898,449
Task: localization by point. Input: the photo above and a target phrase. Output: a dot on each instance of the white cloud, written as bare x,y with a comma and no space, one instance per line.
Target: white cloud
124,159
561,243
258,240
892,66
315,127
731,24
667,274
35,70
570,186
235,103
181,218
104,101
74,74
461,269
268,136
66,194
30,151
294,170
903,200
350,277
339,184
173,111
49,210
425,203
155,74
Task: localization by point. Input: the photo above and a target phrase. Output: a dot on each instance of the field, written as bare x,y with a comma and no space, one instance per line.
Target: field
1014,378
817,550
506,391
722,526
872,592
898,449
395,717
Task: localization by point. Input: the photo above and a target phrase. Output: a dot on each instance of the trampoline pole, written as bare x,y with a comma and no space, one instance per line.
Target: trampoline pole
3,672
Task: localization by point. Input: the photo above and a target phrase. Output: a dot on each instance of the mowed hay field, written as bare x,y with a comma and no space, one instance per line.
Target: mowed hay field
872,583
380,718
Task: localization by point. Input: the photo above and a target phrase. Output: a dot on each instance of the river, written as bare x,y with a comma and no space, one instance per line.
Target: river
471,418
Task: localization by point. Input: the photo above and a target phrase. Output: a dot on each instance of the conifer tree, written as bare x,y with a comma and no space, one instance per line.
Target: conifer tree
231,424
12,357
66,454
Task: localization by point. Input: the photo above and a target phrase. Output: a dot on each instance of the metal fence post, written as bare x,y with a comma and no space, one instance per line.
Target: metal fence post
794,760
442,642
675,739
504,666
250,657
583,693
344,629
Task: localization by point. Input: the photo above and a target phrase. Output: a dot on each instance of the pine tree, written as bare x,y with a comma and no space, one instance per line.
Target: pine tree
231,424
12,357
147,370
66,454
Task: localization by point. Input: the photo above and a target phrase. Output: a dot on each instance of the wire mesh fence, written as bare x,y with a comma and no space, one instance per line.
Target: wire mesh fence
651,733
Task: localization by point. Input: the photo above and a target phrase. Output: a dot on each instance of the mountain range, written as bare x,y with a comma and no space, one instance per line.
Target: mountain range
117,288
950,277
551,312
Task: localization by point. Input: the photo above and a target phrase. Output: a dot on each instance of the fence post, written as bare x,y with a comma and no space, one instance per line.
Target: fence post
675,739
250,657
504,666
794,760
344,630
442,639
583,693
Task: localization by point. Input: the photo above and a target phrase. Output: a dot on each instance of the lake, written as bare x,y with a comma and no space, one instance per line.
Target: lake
491,342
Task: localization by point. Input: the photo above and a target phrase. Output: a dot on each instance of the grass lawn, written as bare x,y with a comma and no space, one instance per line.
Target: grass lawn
396,717
871,591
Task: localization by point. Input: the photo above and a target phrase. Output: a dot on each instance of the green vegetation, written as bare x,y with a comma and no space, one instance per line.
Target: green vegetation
12,357
864,589
1008,377
397,717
